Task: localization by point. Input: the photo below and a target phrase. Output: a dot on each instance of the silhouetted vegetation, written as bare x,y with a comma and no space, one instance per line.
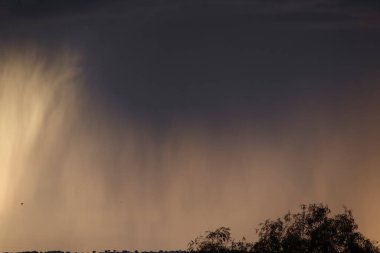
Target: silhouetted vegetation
312,230
219,241
106,251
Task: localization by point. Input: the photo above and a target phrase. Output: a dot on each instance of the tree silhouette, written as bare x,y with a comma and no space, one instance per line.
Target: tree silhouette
219,241
214,241
313,230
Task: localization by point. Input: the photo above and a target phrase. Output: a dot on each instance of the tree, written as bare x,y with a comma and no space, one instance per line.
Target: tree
313,230
218,241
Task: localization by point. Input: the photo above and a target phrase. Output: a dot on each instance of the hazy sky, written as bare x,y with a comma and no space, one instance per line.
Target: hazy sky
140,124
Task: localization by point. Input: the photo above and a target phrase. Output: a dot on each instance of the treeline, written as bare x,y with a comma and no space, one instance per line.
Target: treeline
106,251
312,230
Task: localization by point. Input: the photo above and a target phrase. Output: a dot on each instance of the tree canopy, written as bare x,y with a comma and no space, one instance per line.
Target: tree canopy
311,230
219,241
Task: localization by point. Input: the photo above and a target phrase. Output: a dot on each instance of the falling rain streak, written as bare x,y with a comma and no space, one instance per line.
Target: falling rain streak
88,180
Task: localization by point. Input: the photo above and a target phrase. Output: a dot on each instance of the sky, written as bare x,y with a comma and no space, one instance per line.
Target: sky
141,124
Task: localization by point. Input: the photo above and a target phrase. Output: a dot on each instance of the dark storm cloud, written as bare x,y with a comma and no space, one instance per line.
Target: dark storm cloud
323,14
207,58
44,8
172,59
